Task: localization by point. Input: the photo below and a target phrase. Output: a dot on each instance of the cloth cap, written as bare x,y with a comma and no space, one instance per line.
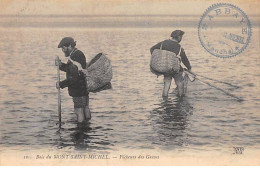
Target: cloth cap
66,42
177,33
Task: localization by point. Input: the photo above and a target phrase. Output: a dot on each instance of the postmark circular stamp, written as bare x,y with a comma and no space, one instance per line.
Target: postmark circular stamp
224,30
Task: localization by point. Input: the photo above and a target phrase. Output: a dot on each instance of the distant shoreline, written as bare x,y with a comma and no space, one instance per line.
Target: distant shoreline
153,15
107,21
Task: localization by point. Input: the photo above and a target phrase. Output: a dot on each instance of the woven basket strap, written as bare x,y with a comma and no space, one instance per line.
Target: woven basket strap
181,64
161,46
75,49
179,51
178,55
77,64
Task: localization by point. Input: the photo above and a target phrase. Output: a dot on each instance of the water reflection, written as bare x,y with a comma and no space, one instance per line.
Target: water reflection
82,137
169,121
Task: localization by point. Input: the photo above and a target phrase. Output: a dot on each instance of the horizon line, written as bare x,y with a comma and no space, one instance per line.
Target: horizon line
102,15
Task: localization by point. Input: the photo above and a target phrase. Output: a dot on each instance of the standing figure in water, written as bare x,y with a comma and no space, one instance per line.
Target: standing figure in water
75,80
173,45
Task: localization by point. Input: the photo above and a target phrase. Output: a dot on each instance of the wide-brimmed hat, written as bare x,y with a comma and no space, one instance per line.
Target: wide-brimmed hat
177,33
66,42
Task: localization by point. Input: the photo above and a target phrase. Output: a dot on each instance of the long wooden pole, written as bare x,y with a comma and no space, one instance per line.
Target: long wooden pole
59,97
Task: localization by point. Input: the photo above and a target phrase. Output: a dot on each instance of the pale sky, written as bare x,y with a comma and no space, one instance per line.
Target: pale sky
117,7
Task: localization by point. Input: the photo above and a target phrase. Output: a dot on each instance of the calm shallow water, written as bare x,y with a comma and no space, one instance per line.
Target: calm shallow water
132,115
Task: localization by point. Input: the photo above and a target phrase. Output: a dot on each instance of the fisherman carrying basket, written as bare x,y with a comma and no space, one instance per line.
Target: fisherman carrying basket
166,60
82,78
75,81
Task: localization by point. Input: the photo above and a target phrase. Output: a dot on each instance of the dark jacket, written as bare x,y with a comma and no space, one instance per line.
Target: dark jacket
173,46
75,80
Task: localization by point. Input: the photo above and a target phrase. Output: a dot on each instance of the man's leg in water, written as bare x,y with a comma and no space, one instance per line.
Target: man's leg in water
87,110
80,114
179,83
79,107
167,84
185,83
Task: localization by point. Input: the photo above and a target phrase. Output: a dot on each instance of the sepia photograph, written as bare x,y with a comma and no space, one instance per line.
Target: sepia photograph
130,83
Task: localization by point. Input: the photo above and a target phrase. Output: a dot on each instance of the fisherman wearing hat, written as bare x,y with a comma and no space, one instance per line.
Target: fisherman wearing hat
75,80
174,46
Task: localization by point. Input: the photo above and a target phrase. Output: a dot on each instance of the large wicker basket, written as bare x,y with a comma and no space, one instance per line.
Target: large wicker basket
164,62
98,73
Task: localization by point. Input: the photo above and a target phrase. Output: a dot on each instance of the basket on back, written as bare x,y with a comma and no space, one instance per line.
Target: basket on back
164,62
98,73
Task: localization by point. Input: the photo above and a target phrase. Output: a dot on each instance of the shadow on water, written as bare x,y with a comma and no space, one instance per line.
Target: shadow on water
169,121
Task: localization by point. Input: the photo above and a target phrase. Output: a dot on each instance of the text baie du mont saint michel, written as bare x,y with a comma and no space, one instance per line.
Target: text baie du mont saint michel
94,157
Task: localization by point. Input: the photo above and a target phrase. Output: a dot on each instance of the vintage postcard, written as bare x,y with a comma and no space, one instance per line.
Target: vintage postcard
129,82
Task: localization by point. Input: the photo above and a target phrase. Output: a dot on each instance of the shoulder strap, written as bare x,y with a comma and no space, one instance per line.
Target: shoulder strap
161,45
76,63
73,52
179,51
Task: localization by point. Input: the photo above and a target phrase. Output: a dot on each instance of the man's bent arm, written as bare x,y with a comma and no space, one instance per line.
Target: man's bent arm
63,67
71,79
157,46
184,59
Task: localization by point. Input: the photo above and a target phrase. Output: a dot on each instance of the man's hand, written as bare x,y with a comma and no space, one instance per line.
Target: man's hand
58,62
58,85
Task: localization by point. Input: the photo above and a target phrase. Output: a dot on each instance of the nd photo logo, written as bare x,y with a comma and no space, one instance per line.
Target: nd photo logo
238,150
